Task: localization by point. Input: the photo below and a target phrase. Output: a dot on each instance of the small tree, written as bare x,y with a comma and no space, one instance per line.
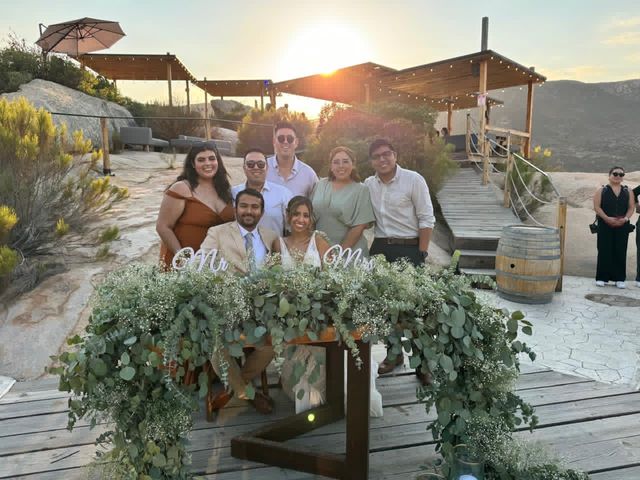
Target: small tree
46,185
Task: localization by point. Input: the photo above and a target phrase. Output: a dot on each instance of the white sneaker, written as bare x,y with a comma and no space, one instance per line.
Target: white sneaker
599,283
621,285
638,283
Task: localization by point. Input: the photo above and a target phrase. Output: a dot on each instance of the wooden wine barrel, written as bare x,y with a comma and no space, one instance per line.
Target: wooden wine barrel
528,263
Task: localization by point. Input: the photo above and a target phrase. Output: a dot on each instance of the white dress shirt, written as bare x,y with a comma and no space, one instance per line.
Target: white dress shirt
259,248
301,180
401,206
276,198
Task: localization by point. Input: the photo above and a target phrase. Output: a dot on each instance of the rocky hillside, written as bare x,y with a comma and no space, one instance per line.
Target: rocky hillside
589,126
58,98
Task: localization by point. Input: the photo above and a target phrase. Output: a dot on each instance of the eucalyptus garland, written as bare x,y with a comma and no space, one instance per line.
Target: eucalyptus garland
146,324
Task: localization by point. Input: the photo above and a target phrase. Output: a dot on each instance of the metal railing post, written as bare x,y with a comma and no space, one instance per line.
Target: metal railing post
507,174
467,144
106,161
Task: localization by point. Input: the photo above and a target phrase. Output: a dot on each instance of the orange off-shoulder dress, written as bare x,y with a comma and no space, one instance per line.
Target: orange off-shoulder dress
192,226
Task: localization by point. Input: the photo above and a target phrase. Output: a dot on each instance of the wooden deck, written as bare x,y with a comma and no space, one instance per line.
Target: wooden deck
475,216
593,425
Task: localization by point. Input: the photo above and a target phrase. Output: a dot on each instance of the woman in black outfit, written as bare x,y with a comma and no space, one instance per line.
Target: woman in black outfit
613,204
636,196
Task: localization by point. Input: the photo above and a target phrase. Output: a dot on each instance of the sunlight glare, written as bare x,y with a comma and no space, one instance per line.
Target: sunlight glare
323,48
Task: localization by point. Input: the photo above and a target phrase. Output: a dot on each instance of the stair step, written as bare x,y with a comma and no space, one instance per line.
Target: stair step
477,253
477,259
480,271
476,243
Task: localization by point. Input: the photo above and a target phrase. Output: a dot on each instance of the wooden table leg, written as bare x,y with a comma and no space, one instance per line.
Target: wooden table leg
358,394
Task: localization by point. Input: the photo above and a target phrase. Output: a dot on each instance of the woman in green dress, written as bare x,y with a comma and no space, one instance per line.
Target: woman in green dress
342,204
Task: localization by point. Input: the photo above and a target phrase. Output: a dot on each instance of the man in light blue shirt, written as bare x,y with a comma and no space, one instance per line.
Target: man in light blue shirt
284,167
276,197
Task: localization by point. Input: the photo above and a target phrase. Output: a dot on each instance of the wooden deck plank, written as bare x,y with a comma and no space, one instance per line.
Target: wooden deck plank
592,424
631,473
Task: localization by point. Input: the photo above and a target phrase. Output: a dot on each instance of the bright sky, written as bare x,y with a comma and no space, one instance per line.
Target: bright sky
586,40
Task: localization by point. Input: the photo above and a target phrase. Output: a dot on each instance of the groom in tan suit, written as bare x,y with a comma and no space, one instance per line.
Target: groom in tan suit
244,246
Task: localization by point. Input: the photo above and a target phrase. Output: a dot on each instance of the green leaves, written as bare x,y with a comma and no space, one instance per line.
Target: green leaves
127,373
470,348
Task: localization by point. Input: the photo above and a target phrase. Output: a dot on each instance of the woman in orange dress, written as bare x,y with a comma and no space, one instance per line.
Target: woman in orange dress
199,199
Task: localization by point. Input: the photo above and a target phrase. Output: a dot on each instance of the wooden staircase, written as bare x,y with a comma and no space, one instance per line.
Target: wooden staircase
475,216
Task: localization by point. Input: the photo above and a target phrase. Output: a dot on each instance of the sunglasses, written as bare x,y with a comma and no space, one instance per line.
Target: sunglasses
388,155
618,174
257,164
287,138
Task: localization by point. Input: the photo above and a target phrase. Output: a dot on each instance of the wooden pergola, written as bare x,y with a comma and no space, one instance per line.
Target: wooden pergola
140,67
452,84
236,88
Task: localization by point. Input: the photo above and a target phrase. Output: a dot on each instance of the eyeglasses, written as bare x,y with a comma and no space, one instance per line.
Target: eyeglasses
287,138
388,155
250,164
618,174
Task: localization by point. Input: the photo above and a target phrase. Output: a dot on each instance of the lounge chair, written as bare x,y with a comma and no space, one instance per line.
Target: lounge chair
141,136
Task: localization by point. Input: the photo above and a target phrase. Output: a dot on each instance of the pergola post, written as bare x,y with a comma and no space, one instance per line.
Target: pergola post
529,119
262,97
367,94
169,82
484,66
188,99
450,118
272,99
207,133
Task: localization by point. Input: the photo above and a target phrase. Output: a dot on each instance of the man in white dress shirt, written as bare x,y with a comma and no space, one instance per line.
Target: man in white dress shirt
244,245
276,197
404,217
284,167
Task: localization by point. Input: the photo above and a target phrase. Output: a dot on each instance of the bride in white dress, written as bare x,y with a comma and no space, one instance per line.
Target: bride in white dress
303,245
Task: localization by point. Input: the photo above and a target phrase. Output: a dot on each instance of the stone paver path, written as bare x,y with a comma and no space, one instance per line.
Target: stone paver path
586,330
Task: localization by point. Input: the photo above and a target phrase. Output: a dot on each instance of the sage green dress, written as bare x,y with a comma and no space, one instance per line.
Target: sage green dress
336,211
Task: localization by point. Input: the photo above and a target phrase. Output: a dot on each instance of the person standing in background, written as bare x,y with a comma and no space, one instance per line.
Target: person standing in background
613,206
276,197
342,204
404,219
284,167
636,197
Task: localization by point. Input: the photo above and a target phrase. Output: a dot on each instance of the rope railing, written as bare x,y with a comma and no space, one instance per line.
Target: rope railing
518,194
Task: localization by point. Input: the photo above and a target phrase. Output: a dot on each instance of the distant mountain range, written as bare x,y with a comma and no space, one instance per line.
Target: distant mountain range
588,126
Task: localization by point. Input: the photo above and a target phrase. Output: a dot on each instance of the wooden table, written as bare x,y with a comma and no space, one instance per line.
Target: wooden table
266,445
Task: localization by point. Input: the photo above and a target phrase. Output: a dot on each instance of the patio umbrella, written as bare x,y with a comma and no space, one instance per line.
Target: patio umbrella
80,36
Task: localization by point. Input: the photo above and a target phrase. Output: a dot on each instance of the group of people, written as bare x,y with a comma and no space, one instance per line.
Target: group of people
614,204
284,208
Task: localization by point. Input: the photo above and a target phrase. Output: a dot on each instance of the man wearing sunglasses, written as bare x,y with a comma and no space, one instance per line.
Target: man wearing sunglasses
284,167
404,219
276,197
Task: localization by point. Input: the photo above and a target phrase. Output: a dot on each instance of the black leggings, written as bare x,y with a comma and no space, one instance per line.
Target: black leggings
638,251
612,253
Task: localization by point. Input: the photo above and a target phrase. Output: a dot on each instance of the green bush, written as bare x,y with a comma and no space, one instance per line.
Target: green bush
52,192
406,126
257,129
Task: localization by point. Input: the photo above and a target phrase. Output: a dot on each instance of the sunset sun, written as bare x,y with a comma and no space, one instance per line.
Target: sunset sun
322,48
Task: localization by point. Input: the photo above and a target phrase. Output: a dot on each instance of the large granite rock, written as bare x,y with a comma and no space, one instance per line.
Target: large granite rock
58,98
